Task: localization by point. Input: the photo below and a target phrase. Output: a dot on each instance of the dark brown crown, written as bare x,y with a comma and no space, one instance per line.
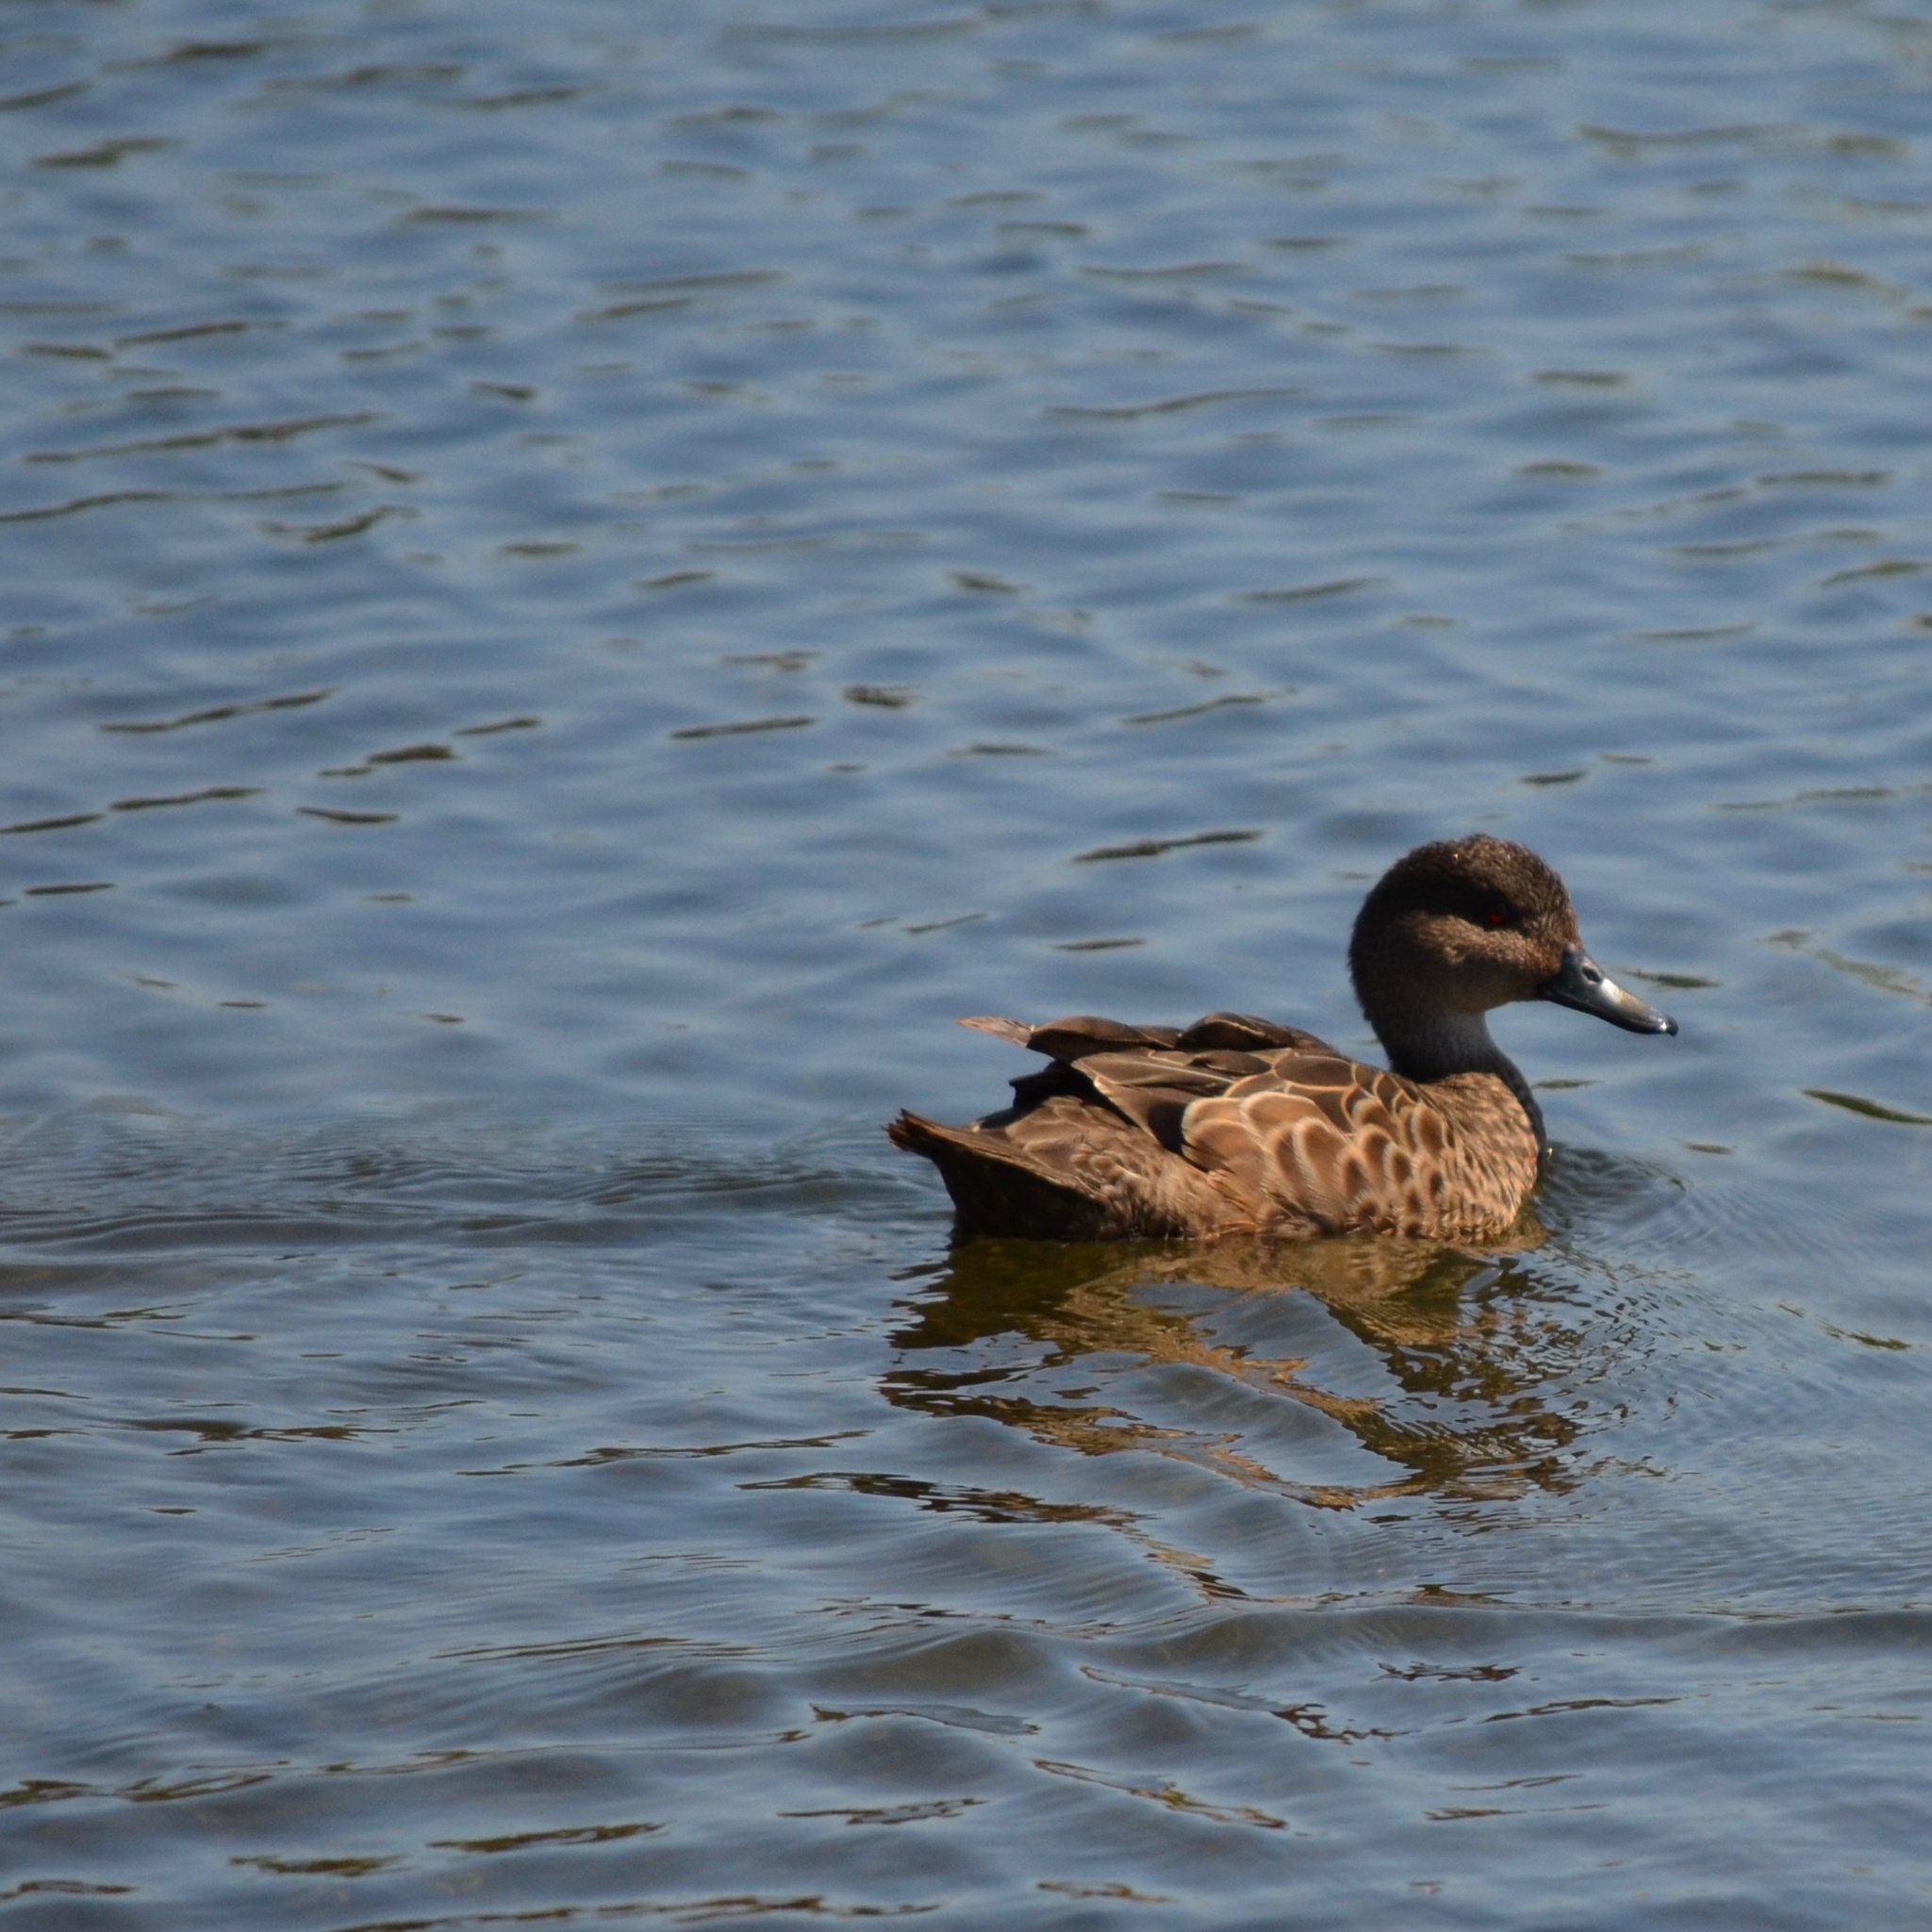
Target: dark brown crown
1468,877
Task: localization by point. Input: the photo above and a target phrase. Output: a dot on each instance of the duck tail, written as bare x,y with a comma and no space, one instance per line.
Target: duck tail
997,1190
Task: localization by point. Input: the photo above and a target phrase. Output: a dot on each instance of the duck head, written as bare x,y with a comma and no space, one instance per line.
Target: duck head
1455,928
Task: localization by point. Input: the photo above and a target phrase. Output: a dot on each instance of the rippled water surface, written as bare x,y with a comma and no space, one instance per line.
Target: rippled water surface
579,582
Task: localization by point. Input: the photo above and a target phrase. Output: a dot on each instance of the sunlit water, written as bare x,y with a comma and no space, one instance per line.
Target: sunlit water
582,580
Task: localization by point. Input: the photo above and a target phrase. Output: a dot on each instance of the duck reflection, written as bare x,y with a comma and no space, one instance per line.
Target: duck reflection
1478,1354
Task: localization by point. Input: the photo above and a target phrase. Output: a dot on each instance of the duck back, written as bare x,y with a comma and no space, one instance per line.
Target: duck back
1232,1125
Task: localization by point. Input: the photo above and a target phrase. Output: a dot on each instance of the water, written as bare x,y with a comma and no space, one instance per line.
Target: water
493,1432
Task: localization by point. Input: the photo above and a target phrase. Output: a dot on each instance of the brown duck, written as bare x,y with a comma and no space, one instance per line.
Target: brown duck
1239,1126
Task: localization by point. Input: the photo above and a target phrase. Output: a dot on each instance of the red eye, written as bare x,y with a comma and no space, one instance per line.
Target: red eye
1497,915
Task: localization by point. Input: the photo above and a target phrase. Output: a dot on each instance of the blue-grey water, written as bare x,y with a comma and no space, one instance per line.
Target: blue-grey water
578,582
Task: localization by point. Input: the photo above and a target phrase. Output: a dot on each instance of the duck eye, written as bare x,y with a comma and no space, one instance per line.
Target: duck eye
1497,915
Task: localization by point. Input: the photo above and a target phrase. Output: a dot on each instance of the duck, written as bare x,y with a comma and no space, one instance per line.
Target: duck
1240,1125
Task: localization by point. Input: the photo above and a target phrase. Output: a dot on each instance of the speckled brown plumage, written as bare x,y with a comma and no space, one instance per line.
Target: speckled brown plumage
1239,1126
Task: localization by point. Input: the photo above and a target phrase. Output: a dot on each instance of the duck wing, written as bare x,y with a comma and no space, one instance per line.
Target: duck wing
1303,1141
1086,1150
1295,1137
1325,1143
1242,1033
1168,1131
1080,1034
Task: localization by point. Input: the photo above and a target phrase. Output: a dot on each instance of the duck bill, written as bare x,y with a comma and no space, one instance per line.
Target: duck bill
1585,985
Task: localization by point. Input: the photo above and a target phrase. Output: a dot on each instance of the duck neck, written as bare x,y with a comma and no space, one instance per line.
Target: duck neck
1437,1045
